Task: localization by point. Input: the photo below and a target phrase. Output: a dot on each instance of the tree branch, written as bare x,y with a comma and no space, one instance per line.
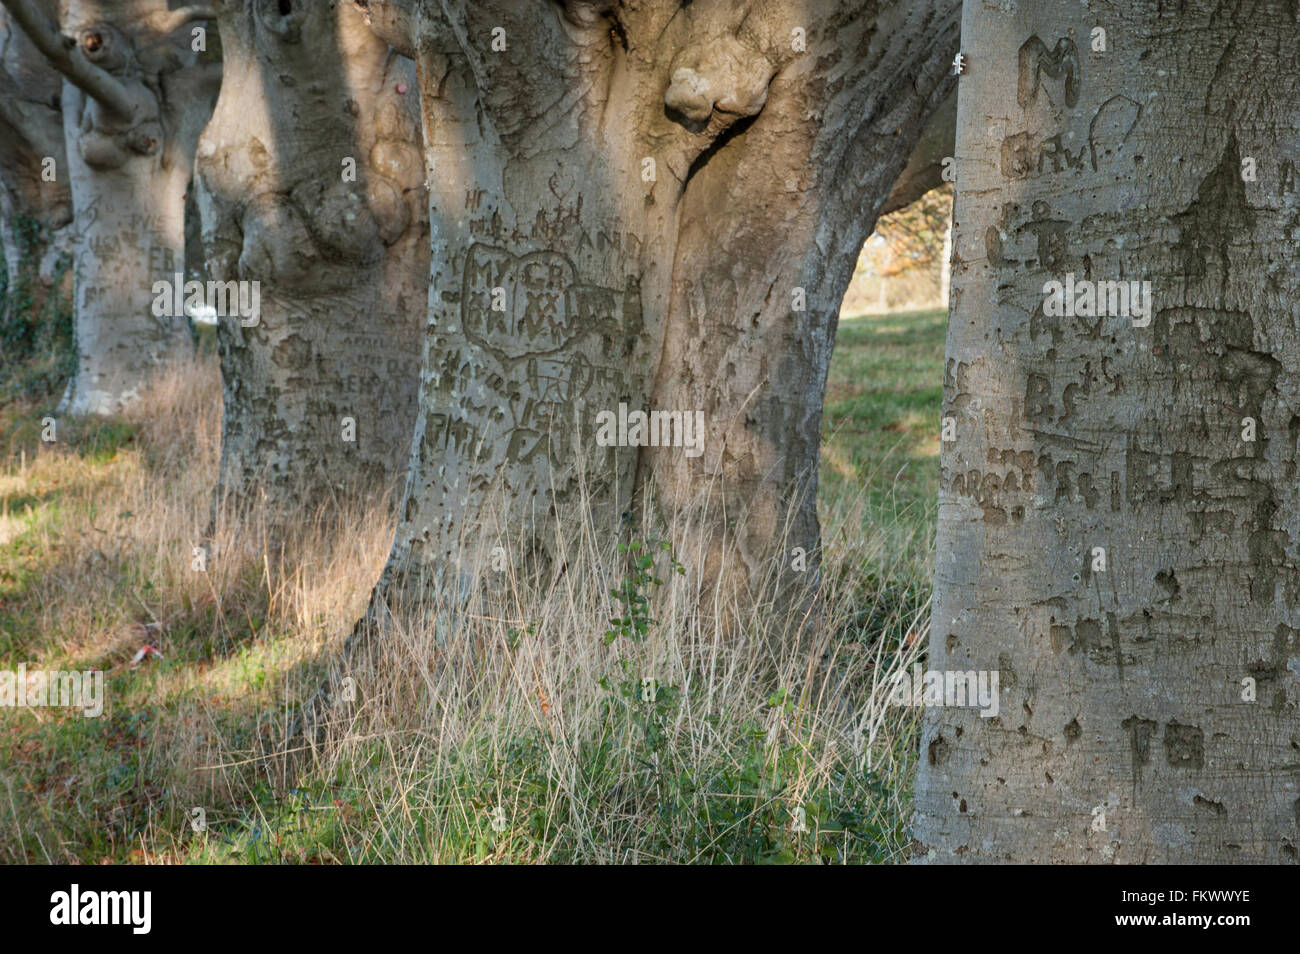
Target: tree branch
167,21
924,170
66,57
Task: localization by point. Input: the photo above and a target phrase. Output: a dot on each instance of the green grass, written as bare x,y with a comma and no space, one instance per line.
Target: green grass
585,769
880,428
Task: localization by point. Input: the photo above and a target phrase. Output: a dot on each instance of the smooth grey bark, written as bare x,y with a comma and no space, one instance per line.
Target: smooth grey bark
134,100
35,200
668,200
340,261
1148,704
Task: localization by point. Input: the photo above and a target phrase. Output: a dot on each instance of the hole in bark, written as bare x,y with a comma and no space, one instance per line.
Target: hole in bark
1208,803
286,7
1168,581
617,33
938,751
94,42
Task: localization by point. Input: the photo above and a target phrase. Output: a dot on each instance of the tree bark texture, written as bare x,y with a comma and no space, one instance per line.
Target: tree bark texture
1117,530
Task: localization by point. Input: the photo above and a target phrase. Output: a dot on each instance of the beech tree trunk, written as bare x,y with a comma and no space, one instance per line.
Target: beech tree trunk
35,200
312,186
650,205
129,174
1117,526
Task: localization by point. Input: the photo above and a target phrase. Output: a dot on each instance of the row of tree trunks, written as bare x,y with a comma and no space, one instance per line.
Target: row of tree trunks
657,206
1117,525
311,185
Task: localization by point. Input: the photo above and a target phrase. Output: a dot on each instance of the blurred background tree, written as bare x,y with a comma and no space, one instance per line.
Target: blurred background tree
903,265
